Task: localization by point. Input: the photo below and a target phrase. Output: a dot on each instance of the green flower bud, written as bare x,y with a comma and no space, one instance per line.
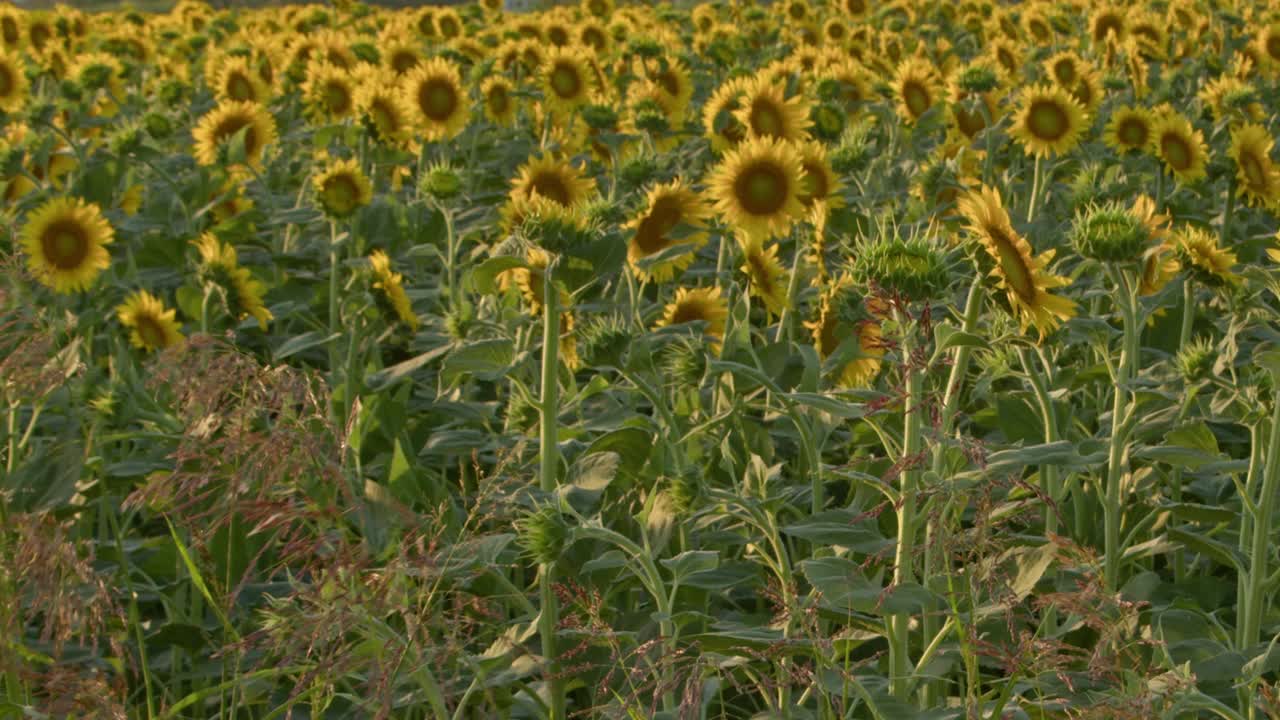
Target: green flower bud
978,79
914,269
543,534
1109,233
828,121
604,342
441,182
600,117
685,363
1195,360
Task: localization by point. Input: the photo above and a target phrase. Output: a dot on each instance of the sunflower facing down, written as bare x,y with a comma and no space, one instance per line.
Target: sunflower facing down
1201,256
216,129
1024,278
391,285
342,188
697,305
829,330
757,188
1128,129
555,180
1181,147
1049,121
151,326
1159,265
1256,175
767,279
670,206
220,265
65,243
439,100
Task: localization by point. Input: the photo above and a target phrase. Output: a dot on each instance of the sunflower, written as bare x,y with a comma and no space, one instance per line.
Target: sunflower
402,55
719,114
65,241
1268,43
329,92
236,81
1049,121
567,81
705,305
1066,68
151,326
1159,265
767,279
820,186
672,87
554,180
385,115
435,92
1201,256
13,82
1024,278
1230,98
1129,129
342,188
391,284
1181,147
221,266
1107,21
1256,175
829,330
915,87
669,207
499,100
757,187
766,112
216,129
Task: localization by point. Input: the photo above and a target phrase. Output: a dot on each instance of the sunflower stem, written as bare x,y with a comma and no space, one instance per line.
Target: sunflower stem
549,460
1255,600
1035,191
899,624
793,286
1120,412
1184,337
1227,212
333,299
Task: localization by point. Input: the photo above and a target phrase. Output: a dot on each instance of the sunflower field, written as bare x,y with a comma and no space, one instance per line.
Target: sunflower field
815,359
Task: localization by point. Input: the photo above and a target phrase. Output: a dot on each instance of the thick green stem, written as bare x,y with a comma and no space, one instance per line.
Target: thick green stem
1120,409
549,461
1048,473
333,301
1175,480
1035,191
899,662
1255,600
1224,239
793,286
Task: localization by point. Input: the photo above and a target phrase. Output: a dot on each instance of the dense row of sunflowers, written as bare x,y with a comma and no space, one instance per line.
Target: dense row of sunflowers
821,215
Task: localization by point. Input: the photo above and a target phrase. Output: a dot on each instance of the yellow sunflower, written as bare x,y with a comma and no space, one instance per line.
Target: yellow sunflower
1256,175
672,87
1129,129
216,129
329,92
766,277
1024,278
402,55
439,100
670,206
916,88
1048,121
1181,147
391,284
555,180
1107,21
719,114
757,188
567,81
1159,264
765,111
820,185
1066,68
385,115
499,100
698,305
1200,255
236,81
65,241
220,264
14,87
342,188
151,326
829,330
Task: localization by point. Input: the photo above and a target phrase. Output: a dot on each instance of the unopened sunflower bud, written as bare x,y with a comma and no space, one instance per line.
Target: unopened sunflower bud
441,182
543,534
915,269
978,79
1109,233
1195,360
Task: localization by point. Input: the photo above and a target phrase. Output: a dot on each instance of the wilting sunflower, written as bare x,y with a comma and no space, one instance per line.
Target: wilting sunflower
765,111
1129,129
916,88
767,279
719,114
391,285
1200,255
13,82
757,187
385,115
1024,278
216,129
151,326
697,305
567,81
555,180
220,265
1256,174
1048,121
1180,146
669,207
829,330
342,188
439,100
499,102
237,81
65,243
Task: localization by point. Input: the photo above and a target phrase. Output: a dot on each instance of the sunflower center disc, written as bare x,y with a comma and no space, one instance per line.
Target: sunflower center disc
437,100
1253,171
815,184
239,88
916,98
65,246
498,101
762,190
651,234
336,98
1065,72
1175,151
1012,265
1133,133
565,82
404,61
340,193
765,119
150,332
551,187
1047,121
